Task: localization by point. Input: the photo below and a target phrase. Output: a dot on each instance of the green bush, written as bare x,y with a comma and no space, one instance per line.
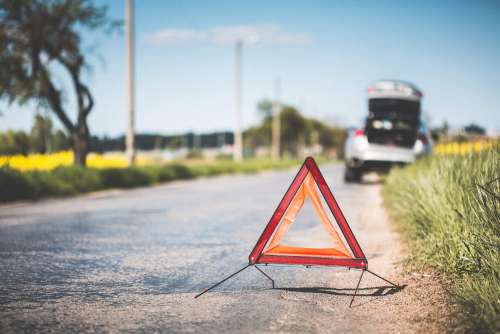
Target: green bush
448,209
125,177
78,179
180,171
165,173
47,184
14,185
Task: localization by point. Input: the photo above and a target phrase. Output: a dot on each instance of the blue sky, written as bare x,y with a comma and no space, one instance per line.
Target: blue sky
325,52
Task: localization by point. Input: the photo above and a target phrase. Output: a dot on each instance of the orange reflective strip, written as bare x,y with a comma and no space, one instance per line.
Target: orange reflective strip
307,189
304,251
310,190
289,217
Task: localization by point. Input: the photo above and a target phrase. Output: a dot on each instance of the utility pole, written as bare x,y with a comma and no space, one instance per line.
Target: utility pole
276,126
130,146
238,138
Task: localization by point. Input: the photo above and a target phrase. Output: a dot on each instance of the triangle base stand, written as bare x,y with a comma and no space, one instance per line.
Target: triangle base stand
395,286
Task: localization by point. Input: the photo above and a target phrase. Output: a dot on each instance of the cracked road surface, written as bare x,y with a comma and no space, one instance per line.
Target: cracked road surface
132,261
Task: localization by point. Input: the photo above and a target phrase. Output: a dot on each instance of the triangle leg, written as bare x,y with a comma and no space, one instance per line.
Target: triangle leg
357,287
225,279
263,273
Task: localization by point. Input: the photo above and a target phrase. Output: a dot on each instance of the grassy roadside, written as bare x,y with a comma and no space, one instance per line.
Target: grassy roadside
448,210
62,181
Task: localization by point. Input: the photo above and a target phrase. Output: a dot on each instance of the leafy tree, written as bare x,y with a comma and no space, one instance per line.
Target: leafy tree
474,129
41,134
14,142
294,130
60,141
175,143
330,137
445,127
297,131
258,136
265,109
36,38
41,139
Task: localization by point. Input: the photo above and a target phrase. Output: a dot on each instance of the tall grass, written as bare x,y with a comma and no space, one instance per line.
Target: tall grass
448,209
18,185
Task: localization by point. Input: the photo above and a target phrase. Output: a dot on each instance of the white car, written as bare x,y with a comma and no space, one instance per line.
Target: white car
393,133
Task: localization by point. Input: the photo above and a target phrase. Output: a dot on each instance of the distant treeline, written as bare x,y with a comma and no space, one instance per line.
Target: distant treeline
43,138
147,142
297,132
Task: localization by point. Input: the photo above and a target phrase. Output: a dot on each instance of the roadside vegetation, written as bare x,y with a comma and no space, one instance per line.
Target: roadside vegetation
447,208
462,148
51,161
70,180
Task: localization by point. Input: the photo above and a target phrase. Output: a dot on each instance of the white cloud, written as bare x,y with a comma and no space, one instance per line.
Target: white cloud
269,34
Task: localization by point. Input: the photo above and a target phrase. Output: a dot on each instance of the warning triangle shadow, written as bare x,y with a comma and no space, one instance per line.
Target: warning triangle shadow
376,291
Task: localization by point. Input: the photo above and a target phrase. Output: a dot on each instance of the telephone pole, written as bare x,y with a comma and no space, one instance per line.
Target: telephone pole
238,138
276,125
130,146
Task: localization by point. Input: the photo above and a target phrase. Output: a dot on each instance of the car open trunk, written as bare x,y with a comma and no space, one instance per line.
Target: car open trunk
393,122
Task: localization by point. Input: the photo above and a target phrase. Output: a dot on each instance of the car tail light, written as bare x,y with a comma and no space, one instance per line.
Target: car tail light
359,133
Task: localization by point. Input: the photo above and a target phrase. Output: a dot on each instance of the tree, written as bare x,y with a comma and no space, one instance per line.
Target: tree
297,131
265,109
38,37
41,134
474,129
14,142
260,135
175,143
60,141
330,137
294,130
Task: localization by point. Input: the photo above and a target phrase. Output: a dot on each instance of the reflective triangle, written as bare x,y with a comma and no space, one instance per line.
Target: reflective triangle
269,248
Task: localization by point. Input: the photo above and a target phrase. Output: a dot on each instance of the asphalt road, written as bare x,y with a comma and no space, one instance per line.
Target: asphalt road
131,261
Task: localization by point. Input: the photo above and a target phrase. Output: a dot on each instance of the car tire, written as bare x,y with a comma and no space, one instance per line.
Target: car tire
352,174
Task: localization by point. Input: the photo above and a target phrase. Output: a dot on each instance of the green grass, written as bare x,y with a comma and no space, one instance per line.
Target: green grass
15,185
448,210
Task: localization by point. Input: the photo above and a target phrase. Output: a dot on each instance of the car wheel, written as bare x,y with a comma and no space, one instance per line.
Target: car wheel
352,174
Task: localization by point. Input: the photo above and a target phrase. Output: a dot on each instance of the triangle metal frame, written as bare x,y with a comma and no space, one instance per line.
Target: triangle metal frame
257,257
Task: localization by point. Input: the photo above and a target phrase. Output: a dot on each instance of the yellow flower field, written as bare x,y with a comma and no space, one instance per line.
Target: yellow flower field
54,160
463,148
50,161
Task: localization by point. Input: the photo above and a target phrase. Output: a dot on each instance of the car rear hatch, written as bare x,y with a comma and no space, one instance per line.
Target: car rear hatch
393,122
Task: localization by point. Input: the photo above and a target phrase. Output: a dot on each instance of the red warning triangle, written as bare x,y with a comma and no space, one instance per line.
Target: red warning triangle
269,249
